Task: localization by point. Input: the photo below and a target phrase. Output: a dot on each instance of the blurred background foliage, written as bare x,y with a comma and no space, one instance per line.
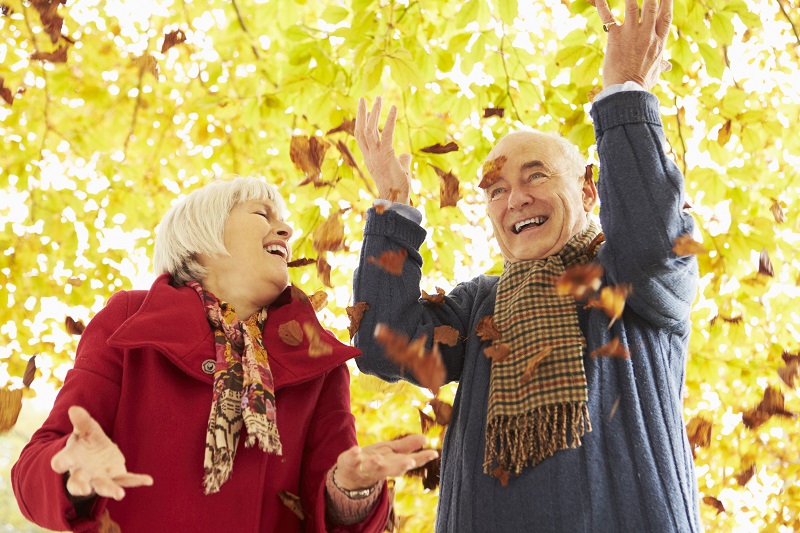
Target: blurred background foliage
113,109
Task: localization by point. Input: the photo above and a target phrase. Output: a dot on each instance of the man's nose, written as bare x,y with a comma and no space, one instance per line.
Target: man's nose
519,198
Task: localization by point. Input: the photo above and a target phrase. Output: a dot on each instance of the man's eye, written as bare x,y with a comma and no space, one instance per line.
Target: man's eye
494,193
536,176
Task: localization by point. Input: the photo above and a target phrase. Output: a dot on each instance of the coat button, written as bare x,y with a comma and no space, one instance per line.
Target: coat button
209,365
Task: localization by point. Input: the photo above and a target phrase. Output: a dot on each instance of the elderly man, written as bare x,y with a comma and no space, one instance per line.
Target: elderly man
578,443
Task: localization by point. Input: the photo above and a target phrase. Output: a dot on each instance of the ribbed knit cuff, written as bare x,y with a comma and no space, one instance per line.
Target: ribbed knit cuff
396,227
345,511
625,107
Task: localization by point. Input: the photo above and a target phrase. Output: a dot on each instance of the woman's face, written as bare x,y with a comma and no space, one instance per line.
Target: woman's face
255,272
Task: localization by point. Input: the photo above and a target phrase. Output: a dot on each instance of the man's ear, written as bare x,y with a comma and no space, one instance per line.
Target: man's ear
589,189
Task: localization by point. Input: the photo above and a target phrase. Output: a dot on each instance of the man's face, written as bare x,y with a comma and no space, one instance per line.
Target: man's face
540,199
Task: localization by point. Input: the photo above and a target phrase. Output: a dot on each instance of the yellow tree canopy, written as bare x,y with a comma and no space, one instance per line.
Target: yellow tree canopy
112,110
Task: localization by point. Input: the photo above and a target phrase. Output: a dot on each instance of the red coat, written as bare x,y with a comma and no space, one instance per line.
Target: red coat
139,373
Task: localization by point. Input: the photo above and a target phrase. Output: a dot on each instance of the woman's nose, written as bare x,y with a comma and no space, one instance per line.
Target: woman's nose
285,230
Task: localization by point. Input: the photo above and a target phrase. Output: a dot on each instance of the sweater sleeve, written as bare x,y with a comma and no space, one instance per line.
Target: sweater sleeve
395,300
641,209
93,383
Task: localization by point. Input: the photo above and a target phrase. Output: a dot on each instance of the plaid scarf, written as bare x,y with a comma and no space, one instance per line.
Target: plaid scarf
528,422
244,392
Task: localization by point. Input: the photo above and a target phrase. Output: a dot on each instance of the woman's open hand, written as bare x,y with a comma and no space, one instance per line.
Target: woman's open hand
95,464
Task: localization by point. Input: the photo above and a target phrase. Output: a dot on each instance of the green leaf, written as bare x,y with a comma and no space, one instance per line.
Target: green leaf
468,13
334,14
722,28
508,10
712,58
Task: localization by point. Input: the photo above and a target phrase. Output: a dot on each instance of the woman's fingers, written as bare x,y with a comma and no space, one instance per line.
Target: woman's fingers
133,480
106,487
79,482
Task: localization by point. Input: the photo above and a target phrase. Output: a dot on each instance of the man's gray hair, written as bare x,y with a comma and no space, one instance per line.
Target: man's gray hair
196,224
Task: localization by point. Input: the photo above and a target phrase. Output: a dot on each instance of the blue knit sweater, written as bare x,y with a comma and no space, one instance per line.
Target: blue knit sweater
634,470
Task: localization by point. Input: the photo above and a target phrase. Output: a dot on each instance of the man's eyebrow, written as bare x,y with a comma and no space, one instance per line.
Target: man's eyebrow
533,164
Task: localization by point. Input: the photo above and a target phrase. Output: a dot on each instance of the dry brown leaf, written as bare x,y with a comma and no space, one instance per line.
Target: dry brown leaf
755,418
303,261
324,272
426,365
425,421
75,281
74,327
307,154
777,211
355,313
437,298
486,329
497,352
494,112
611,301
771,404
613,348
292,502
579,280
391,261
440,148
686,245
107,525
30,372
58,55
442,410
5,92
291,333
698,430
329,236
715,503
381,208
491,171
746,474
448,188
790,374
724,133
147,63
590,96
533,364
764,264
319,300
10,406
316,347
429,472
348,125
347,155
501,474
173,38
445,335
48,14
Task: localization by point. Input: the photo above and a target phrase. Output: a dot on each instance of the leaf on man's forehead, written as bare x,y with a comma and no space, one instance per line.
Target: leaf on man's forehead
324,272
329,236
486,329
10,406
307,154
764,264
448,188
437,298
316,347
686,245
698,431
533,364
391,261
578,280
491,171
426,365
445,335
442,410
612,348
291,333
292,502
611,301
355,312
56,56
440,148
74,327
494,112
30,372
497,352
348,125
501,474
319,300
172,38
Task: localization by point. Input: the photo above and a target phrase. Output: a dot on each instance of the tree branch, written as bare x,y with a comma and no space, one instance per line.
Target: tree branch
244,28
508,79
791,23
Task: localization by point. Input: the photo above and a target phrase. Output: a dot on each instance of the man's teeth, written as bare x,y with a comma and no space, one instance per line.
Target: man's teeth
274,248
538,221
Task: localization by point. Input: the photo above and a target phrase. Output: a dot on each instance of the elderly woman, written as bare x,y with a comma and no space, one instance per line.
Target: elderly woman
220,383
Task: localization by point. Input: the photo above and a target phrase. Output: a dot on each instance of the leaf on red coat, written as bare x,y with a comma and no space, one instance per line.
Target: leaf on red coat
58,55
440,148
498,351
486,329
426,365
437,298
329,236
698,430
613,348
74,327
764,264
303,261
777,212
686,245
307,154
10,406
442,410
51,20
355,313
107,525
491,170
291,333
611,301
715,503
579,280
533,364
30,372
425,421
391,261
348,125
171,39
324,272
445,335
494,112
319,300
316,347
501,474
292,502
746,474
448,188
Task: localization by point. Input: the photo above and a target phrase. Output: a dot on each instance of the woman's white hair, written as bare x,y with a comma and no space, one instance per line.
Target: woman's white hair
196,224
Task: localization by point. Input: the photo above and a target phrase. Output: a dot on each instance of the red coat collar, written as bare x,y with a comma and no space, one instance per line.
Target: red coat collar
172,320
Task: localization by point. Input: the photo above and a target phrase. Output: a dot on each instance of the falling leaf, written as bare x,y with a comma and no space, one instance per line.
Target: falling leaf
292,502
48,14
448,188
698,430
298,294
533,364
391,261
307,154
348,125
486,329
445,335
30,372
715,503
440,148
501,474
613,348
5,10
777,210
75,281
790,374
355,313
771,404
57,56
329,236
611,301
426,365
291,333
425,421
687,205
497,352
590,96
173,38
5,92
578,280
319,300
10,406
347,155
429,472
724,133
303,261
316,347
442,410
324,272
437,299
686,245
746,474
491,171
755,418
107,525
147,63
74,327
764,264
494,112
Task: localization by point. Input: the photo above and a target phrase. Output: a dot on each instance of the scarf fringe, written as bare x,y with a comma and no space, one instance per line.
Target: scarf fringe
263,430
514,442
220,471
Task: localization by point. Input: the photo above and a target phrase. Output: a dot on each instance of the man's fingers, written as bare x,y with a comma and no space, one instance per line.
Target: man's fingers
133,480
649,9
388,127
606,16
664,19
405,162
632,10
374,115
360,114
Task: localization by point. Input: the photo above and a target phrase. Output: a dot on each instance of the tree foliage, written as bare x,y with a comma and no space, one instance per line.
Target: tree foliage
111,110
